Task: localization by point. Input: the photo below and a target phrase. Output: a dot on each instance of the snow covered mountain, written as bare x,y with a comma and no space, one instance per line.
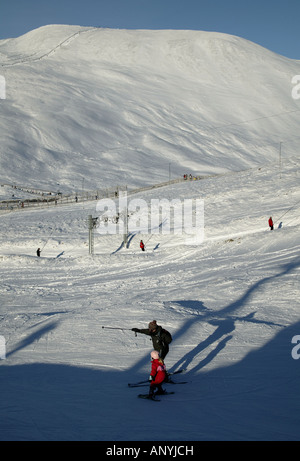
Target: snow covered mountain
127,107
115,106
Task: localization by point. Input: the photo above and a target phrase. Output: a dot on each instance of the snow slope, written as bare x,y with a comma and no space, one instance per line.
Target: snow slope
231,304
95,108
80,101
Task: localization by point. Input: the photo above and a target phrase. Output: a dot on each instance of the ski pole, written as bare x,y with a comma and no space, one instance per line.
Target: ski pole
139,383
117,328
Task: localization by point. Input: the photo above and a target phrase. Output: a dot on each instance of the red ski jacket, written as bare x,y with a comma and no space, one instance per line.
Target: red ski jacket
158,372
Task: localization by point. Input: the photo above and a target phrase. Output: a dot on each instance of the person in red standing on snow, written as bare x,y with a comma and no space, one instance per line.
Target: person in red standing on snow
142,246
157,375
271,224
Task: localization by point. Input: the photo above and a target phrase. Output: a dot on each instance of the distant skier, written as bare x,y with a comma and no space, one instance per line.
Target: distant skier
157,375
161,338
142,246
271,224
38,252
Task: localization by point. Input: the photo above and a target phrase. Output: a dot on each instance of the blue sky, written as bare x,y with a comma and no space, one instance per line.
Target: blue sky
274,24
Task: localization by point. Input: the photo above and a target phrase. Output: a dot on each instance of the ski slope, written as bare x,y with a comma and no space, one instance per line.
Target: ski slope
91,108
231,304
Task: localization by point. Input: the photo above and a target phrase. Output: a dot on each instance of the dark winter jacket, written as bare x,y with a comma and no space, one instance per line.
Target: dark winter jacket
161,339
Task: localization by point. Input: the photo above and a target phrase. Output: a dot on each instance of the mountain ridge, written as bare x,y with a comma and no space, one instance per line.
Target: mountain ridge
131,106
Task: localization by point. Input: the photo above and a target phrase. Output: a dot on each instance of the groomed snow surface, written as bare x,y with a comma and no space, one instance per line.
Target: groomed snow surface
231,304
90,109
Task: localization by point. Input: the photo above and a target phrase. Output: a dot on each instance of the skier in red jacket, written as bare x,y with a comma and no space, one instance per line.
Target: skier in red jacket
142,246
271,224
157,375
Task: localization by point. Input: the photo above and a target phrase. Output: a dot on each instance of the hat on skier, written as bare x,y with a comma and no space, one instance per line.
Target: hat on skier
152,325
155,355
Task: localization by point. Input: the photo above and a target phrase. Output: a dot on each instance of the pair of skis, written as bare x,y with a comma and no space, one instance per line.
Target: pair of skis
153,397
146,383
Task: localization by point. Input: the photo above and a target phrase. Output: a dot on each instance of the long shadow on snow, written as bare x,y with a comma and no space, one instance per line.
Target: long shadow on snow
222,319
254,399
258,397
35,336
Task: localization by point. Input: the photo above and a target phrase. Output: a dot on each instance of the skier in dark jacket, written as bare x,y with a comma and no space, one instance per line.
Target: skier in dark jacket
161,338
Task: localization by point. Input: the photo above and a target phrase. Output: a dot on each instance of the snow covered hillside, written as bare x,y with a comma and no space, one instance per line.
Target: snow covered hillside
231,304
91,108
80,101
